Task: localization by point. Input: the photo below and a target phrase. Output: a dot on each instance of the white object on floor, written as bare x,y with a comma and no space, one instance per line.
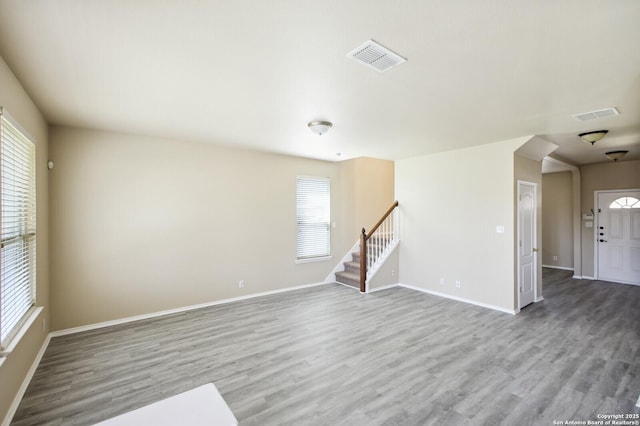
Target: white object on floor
200,406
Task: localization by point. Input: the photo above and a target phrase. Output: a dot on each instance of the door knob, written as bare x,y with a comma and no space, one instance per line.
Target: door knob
603,241
534,250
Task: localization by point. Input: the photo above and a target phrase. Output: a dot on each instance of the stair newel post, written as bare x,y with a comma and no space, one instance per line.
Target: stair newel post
363,260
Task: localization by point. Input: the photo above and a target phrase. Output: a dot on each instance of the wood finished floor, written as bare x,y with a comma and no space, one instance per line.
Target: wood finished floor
331,356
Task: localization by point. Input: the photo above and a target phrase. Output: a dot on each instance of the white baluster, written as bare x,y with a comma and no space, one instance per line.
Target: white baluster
388,228
386,233
373,252
382,237
377,245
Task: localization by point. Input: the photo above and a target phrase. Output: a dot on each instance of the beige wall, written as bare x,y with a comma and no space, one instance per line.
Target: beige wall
557,220
529,170
141,225
451,204
368,192
597,177
14,368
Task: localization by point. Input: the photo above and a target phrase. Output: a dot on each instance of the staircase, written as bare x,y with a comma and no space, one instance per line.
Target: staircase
373,249
351,274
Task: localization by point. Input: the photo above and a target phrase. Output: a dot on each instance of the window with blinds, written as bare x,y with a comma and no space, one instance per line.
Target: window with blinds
313,208
18,228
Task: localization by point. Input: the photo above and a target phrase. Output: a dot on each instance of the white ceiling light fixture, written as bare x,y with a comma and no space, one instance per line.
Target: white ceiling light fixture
593,137
320,127
375,56
615,155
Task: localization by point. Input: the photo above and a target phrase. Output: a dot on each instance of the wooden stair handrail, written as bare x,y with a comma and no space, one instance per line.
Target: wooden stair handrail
363,246
384,217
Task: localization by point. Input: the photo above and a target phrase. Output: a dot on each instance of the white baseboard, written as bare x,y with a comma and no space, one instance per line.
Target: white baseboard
539,299
460,299
176,310
25,383
584,277
564,268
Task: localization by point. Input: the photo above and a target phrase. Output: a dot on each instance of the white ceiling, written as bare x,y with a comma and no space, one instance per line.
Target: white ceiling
253,73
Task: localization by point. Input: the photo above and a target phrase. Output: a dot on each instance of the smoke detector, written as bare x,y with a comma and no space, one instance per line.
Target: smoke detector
375,56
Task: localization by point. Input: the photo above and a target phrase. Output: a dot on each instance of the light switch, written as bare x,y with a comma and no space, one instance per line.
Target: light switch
500,229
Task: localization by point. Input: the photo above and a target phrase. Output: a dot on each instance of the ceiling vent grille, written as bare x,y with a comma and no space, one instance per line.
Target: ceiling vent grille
375,56
592,115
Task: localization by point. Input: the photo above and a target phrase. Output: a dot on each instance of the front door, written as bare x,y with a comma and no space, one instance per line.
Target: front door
618,236
526,242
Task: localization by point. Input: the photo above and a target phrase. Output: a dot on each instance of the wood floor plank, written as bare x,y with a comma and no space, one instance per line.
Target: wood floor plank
331,356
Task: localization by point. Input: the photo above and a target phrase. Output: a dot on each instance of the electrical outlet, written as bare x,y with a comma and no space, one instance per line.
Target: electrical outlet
555,258
241,284
458,283
393,272
442,281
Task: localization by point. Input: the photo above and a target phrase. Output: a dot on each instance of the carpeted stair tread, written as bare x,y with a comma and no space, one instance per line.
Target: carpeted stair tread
349,275
349,279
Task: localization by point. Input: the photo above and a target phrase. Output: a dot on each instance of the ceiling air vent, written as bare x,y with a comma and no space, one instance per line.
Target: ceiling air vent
592,115
375,56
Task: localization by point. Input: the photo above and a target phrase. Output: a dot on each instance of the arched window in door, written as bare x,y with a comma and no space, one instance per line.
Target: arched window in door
625,203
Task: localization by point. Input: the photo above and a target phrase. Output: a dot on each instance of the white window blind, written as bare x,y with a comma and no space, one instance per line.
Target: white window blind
313,208
18,228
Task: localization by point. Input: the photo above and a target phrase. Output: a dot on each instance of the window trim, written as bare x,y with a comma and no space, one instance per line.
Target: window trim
314,259
23,326
320,256
28,225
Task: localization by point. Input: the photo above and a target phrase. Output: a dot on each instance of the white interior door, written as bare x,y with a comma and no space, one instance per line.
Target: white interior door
618,236
526,243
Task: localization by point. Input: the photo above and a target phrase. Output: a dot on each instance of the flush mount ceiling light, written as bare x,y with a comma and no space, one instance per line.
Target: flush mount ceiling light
319,127
615,155
593,137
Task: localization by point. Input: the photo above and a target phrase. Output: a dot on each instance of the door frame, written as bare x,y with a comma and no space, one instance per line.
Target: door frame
596,226
519,248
